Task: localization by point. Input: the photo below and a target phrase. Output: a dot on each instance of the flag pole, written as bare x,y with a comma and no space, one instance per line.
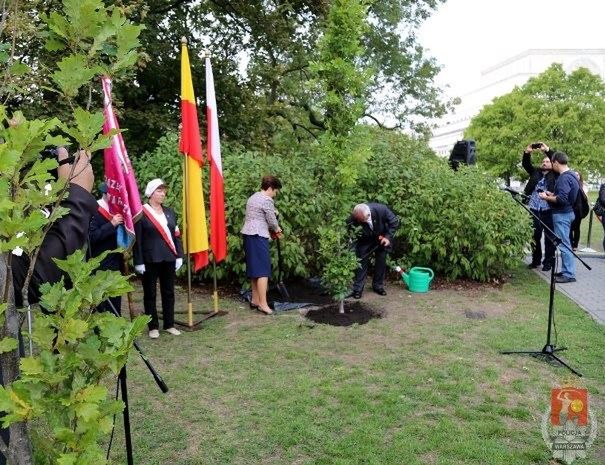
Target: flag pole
187,235
216,312
215,294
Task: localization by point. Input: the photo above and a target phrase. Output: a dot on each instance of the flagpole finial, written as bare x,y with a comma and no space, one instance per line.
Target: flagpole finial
184,40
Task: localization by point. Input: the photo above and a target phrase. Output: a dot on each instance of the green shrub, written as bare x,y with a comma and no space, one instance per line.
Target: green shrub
298,203
457,223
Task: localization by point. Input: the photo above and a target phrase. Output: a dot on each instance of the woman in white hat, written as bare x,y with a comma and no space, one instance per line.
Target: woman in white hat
158,253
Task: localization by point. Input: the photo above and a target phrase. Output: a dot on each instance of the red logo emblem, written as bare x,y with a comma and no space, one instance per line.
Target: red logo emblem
569,404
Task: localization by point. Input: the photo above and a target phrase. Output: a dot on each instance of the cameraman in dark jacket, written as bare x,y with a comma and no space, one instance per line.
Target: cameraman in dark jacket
541,179
68,234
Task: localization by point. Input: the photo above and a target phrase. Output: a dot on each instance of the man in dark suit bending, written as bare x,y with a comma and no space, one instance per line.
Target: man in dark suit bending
377,224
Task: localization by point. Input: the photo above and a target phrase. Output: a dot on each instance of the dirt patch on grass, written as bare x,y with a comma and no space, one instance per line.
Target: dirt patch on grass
355,313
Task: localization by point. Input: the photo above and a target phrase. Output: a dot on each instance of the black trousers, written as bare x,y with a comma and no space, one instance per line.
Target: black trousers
380,265
165,272
536,244
574,232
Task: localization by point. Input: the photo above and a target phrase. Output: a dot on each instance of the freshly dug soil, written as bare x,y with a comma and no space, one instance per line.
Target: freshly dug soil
355,313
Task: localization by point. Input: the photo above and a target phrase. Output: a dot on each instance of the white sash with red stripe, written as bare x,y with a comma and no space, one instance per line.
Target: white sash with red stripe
103,209
160,223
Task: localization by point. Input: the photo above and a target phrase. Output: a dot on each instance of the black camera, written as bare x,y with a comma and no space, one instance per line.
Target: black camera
536,145
53,154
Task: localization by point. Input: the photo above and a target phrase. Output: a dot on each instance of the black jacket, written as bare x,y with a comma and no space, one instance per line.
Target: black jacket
384,222
103,237
150,246
66,235
535,174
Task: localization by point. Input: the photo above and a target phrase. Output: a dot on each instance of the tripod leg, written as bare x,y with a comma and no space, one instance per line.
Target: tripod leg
126,414
577,373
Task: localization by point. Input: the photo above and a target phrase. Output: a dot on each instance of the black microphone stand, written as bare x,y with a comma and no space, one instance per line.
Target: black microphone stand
124,391
549,350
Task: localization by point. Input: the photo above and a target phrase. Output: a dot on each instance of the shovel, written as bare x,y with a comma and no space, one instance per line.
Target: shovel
281,287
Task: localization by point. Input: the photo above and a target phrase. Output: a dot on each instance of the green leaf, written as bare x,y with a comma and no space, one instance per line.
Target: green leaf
94,394
18,69
8,344
31,366
74,329
73,73
67,459
88,126
87,411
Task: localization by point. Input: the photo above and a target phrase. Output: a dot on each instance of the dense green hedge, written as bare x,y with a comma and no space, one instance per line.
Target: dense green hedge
457,223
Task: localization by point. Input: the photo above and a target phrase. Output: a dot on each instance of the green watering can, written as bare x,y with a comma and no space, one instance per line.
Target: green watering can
418,279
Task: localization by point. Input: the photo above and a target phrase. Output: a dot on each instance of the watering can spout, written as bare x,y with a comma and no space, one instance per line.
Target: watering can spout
403,274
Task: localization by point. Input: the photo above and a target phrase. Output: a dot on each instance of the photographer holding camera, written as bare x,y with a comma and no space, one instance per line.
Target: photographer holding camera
541,179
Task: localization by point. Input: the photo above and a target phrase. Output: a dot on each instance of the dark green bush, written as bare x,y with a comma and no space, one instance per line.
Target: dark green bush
457,223
298,203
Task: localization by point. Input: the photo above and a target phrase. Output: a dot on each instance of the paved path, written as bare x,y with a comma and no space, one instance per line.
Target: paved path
589,290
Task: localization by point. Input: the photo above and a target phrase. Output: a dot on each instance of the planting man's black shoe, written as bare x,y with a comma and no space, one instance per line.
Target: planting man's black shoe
531,266
354,294
380,291
547,267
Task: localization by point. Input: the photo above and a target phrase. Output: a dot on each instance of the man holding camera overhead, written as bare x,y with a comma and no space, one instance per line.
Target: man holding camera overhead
541,179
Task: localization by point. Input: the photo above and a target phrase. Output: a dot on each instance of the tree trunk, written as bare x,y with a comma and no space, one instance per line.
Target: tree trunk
20,448
341,306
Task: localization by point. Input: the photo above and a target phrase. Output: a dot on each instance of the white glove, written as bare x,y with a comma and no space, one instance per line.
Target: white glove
140,269
178,264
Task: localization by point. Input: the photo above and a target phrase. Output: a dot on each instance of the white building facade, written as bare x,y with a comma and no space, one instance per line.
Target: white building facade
501,79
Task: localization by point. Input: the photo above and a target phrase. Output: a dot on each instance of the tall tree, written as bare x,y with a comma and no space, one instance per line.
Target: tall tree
261,51
564,110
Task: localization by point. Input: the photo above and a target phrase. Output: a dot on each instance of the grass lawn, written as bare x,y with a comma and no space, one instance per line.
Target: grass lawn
424,385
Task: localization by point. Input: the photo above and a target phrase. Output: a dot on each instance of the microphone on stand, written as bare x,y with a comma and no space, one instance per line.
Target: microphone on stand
511,191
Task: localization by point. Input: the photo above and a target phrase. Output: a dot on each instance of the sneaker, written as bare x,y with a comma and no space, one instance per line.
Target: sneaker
154,334
565,279
173,331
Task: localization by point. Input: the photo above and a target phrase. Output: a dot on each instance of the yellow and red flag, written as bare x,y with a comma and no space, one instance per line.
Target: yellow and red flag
218,228
194,212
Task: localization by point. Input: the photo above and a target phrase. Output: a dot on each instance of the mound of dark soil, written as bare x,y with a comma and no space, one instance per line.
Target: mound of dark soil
355,313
